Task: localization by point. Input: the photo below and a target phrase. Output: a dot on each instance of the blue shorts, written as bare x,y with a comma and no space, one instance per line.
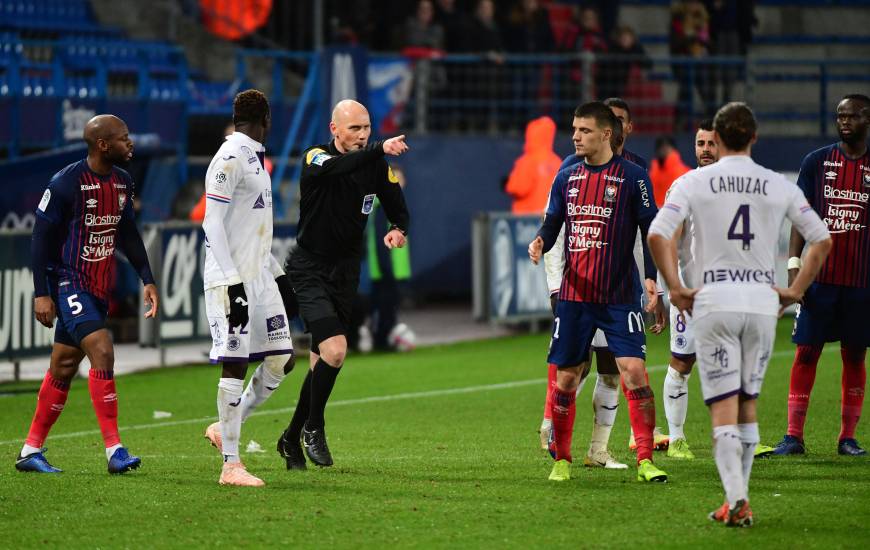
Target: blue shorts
831,313
575,324
79,313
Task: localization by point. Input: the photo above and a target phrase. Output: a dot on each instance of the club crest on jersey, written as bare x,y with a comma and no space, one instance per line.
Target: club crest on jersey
368,204
122,200
610,193
866,179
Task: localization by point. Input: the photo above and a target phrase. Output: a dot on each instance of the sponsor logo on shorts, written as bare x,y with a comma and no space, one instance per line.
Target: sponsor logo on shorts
233,343
276,328
680,341
275,323
720,355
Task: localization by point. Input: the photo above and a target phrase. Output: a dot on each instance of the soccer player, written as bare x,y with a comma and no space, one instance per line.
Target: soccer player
605,395
836,182
84,214
601,201
676,386
245,288
736,208
340,181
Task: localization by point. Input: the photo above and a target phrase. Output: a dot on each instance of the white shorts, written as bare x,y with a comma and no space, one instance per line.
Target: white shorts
267,331
682,335
733,353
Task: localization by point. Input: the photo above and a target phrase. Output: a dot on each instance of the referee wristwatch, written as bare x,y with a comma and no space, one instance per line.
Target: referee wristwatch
399,229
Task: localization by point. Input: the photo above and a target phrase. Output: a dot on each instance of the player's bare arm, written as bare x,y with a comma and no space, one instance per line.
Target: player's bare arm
666,260
795,248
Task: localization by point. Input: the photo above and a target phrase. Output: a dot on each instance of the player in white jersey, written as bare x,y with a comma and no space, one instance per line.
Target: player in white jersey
737,208
676,386
245,287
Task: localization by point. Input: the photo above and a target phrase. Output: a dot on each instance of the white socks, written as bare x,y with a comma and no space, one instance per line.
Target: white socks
728,452
229,397
27,450
111,450
676,398
749,439
605,402
262,384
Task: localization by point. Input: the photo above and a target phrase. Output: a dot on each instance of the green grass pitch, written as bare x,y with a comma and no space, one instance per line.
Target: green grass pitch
436,448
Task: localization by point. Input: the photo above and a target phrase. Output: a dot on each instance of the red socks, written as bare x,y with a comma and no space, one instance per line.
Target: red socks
642,415
563,407
49,404
853,380
803,376
551,384
101,384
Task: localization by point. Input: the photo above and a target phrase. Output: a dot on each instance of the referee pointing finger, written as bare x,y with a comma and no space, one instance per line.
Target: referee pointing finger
339,184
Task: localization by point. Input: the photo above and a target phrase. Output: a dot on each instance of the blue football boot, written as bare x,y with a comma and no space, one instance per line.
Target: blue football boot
850,447
35,462
790,445
121,462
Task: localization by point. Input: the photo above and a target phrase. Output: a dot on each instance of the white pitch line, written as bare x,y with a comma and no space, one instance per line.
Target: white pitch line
345,402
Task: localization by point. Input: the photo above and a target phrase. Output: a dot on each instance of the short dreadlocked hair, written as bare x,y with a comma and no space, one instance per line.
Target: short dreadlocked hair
250,106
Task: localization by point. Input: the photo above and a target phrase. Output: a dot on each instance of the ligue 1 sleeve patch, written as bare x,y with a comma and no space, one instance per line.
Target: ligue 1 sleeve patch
368,204
316,156
43,204
391,177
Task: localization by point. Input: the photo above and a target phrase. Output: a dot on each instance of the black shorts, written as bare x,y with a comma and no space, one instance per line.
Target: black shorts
325,291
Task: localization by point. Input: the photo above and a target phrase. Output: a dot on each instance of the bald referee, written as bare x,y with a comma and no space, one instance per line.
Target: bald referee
340,181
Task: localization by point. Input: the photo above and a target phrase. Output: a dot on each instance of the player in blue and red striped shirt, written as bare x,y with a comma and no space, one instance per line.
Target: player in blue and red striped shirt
836,182
601,202
86,211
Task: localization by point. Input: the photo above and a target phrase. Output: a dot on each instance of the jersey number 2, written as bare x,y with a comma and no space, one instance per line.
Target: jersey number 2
742,217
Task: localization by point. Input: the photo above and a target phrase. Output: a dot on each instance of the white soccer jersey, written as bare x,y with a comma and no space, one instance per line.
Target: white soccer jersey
738,208
238,214
685,257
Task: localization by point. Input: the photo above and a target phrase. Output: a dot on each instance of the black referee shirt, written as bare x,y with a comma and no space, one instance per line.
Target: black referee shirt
338,193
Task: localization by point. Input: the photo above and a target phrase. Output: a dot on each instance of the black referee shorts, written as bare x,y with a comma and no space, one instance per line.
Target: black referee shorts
326,292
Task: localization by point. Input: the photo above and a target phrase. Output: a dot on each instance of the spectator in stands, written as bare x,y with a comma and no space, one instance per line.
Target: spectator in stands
665,168
625,53
690,38
421,30
483,36
452,20
529,28
532,175
731,25
590,37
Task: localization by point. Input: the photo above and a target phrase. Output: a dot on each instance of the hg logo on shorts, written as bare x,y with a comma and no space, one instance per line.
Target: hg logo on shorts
720,354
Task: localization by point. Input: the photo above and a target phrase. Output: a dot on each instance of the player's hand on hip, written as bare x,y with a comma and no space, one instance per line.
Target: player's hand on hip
536,250
684,299
238,316
787,297
151,299
395,146
652,294
395,239
44,310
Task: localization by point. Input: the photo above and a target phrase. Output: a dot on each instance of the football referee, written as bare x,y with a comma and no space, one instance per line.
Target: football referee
339,184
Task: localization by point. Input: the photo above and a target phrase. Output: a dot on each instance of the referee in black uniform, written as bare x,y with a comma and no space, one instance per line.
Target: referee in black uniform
340,181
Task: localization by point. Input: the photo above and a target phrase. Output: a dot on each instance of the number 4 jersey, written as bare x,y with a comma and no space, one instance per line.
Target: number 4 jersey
737,208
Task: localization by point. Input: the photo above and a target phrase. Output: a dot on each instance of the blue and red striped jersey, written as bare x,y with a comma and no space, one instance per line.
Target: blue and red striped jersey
602,208
573,159
87,208
838,188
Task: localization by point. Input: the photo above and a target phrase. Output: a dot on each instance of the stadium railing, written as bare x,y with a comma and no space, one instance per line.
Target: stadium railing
498,93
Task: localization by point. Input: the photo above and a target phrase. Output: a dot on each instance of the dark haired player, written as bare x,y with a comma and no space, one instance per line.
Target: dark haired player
602,202
248,299
84,214
737,208
836,182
